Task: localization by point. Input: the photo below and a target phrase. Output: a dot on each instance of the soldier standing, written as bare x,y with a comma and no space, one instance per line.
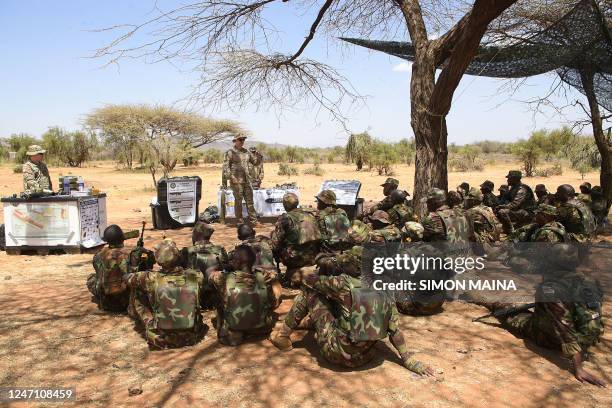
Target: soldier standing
169,309
257,170
236,165
521,203
111,263
35,172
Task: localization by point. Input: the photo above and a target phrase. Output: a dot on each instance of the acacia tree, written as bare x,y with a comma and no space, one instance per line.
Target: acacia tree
232,45
358,148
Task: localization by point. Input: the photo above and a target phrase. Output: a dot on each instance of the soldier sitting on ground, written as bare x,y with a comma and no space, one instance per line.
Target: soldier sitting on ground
455,199
575,215
345,334
488,198
443,223
567,314
169,311
463,189
485,227
400,213
385,204
585,193
333,223
261,246
203,254
296,238
521,202
111,263
382,228
502,197
248,297
543,196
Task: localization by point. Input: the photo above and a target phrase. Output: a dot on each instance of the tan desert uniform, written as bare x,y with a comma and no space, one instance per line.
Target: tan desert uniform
35,175
236,165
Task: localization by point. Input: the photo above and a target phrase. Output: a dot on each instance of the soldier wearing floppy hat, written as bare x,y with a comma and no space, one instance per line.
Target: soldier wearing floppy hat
386,203
35,172
238,167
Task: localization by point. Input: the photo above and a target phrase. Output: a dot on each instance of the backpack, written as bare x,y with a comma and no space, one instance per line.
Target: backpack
263,251
370,313
246,308
402,214
111,277
456,225
554,227
205,256
336,224
303,228
176,303
589,224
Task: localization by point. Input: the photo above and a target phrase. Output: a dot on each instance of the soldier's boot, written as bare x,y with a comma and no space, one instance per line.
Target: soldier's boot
280,338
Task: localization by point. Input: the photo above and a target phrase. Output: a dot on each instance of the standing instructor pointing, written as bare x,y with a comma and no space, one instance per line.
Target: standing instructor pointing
236,170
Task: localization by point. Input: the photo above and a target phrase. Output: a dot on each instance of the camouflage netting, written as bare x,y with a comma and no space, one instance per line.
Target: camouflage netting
580,41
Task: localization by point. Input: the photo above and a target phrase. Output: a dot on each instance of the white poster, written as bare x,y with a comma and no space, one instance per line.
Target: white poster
90,223
346,191
182,200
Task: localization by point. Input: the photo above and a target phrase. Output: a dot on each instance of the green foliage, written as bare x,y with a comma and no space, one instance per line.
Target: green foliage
406,150
382,157
285,169
212,156
19,143
357,149
528,152
466,158
18,169
315,170
583,155
70,148
274,155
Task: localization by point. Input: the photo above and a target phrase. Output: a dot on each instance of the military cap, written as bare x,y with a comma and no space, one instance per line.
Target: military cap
488,184
514,174
547,209
380,216
290,201
540,187
359,231
34,150
414,230
327,197
392,181
166,253
474,194
237,137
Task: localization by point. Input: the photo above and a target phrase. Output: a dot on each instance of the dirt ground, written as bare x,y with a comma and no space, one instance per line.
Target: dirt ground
51,334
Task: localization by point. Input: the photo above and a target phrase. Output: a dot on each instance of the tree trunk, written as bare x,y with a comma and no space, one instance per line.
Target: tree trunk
603,143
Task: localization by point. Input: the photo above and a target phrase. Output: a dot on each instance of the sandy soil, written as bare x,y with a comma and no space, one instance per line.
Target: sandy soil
51,334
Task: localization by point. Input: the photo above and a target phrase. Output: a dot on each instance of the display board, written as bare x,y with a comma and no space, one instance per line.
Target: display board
346,191
182,200
268,202
93,221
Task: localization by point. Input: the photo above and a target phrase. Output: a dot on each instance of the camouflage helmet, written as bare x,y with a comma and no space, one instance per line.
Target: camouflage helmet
167,254
398,196
359,232
380,216
488,185
290,201
327,197
565,190
113,234
474,195
436,195
547,209
390,181
514,174
201,231
413,230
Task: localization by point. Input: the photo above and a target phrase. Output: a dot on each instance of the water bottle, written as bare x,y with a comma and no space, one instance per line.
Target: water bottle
66,186
80,184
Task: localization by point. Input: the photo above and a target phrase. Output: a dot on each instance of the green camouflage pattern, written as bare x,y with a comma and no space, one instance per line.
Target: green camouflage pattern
35,177
203,255
247,306
106,284
578,219
263,251
334,226
490,200
485,227
456,225
302,228
327,197
370,314
400,214
390,233
236,164
359,232
572,327
176,301
412,231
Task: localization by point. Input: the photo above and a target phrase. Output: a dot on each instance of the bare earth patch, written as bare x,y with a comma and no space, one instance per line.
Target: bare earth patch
51,334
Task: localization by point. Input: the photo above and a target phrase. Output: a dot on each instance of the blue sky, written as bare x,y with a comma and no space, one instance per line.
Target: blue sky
47,79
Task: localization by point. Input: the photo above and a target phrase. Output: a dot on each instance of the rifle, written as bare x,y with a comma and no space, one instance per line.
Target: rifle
137,253
506,311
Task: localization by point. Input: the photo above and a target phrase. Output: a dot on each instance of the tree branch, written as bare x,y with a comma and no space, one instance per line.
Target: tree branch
313,29
411,9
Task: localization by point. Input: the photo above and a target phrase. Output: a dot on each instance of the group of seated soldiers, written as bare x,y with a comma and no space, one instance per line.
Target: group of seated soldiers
322,251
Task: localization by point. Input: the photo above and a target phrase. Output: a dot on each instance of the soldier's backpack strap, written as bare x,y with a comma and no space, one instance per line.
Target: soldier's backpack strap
370,313
176,301
456,226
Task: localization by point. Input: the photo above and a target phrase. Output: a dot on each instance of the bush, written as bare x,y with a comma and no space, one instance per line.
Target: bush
18,169
212,156
315,170
555,170
285,169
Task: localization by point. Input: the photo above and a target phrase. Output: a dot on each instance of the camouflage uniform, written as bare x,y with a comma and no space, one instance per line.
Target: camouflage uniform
599,206
558,322
291,228
203,255
578,219
236,169
261,245
490,200
446,224
386,203
166,302
400,214
328,300
247,303
521,203
485,227
257,173
334,225
36,177
110,263
386,232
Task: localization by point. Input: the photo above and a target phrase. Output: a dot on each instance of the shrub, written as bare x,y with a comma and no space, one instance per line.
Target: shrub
285,169
18,169
315,170
212,156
